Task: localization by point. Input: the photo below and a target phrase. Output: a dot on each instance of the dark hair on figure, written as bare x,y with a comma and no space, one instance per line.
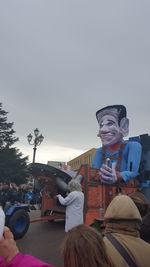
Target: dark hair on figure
122,112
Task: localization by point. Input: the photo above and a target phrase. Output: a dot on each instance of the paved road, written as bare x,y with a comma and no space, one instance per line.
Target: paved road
43,241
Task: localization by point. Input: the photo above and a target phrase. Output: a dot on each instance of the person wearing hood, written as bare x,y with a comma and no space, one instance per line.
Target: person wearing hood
122,236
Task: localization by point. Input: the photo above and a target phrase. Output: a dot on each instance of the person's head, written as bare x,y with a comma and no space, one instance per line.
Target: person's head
1,186
122,208
113,124
6,185
123,216
83,246
74,185
141,203
145,228
26,187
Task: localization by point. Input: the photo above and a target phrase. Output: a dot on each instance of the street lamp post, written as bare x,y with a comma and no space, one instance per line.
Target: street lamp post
36,141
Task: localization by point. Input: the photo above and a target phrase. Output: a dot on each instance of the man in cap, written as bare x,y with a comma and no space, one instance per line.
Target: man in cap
117,159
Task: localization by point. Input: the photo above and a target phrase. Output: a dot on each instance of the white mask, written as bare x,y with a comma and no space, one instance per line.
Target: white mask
109,131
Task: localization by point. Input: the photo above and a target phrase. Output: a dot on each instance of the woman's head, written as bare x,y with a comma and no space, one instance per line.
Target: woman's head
83,246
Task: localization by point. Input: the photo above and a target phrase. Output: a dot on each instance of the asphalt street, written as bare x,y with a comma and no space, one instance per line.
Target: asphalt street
43,240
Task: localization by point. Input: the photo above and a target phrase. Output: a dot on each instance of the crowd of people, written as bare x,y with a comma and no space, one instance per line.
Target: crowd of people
84,246
11,193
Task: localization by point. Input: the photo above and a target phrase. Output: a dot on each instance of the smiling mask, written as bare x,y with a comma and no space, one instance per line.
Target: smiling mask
113,124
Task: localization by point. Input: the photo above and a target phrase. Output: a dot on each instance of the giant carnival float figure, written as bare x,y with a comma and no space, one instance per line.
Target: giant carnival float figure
117,159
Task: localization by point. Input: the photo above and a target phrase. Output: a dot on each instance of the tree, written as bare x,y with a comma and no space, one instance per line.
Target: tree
13,167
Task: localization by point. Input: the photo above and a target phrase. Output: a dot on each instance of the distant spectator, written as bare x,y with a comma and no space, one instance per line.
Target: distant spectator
23,190
144,208
1,198
21,193
15,190
6,195
145,228
141,202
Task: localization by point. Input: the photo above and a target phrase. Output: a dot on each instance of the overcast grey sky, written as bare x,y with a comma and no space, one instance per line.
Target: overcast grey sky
62,60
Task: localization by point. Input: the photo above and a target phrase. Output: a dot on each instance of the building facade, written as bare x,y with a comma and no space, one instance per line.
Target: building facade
85,158
56,164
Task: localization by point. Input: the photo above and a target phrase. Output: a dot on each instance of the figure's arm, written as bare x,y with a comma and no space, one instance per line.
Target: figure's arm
133,161
67,200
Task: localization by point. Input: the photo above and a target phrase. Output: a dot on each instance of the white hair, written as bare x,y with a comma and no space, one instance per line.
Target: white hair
74,185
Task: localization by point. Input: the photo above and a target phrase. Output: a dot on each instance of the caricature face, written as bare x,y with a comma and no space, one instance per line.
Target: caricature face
109,130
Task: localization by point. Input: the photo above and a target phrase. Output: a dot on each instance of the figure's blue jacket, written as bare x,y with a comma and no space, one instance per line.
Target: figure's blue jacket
130,161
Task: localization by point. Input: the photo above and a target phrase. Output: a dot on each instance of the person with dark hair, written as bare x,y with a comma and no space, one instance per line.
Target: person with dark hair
122,234
83,246
117,159
141,202
1,197
6,195
143,206
145,228
74,203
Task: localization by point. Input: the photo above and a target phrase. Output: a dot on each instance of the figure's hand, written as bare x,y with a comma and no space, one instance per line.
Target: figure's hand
108,175
8,248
